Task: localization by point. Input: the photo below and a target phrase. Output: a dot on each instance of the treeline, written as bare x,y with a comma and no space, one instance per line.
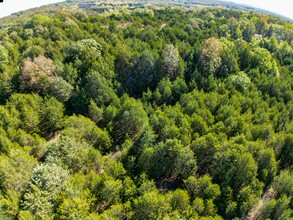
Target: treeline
146,114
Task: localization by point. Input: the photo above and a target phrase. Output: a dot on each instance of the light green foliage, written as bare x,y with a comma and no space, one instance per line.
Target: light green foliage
16,170
163,92
267,209
145,185
129,189
83,54
46,183
282,209
241,81
112,167
117,211
285,52
67,72
76,199
171,124
179,200
198,205
50,178
40,19
73,208
15,174
111,191
247,198
25,215
151,205
264,61
4,57
283,183
224,31
83,128
229,63
26,108
70,152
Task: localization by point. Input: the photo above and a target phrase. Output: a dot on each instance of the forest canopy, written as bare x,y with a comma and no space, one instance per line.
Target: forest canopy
146,113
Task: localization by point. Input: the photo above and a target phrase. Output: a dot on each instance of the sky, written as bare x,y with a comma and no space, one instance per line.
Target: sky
10,6
283,7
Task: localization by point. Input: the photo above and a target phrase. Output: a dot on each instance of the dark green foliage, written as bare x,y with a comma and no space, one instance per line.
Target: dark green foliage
131,120
145,112
168,160
99,89
60,89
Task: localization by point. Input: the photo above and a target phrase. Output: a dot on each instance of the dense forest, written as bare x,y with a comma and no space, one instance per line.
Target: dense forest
148,113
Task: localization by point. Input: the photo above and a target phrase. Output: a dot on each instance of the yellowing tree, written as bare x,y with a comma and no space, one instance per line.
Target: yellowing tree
170,59
210,58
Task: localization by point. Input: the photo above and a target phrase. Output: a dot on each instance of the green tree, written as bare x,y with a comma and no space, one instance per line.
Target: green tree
15,174
205,149
241,81
69,152
84,129
168,159
180,200
131,120
263,60
248,29
287,153
234,169
202,188
282,209
60,89
151,205
83,54
4,57
267,166
99,89
51,116
26,108
145,73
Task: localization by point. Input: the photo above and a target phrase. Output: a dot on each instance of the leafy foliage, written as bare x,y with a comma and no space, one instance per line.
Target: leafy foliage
145,113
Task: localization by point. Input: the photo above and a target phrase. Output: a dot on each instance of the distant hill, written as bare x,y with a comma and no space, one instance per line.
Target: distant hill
186,3
101,5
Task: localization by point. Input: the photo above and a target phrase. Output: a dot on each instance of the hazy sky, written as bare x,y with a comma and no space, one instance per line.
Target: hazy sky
10,6
284,7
